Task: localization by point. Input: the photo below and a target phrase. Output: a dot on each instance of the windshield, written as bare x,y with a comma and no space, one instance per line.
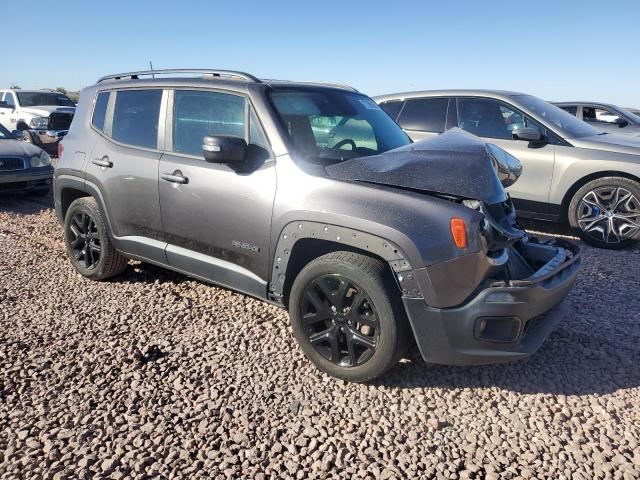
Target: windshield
34,99
329,126
4,133
557,117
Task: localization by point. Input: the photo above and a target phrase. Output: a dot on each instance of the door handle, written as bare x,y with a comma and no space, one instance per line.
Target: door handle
175,177
102,162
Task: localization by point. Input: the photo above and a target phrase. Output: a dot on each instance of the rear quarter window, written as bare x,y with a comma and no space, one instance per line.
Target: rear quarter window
100,110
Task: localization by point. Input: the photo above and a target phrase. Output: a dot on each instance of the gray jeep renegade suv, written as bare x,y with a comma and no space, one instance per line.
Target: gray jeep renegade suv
310,197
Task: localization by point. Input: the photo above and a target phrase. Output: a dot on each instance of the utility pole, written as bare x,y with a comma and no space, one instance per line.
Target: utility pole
151,68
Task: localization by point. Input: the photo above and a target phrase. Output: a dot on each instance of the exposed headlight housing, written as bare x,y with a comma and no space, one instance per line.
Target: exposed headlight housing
42,160
39,122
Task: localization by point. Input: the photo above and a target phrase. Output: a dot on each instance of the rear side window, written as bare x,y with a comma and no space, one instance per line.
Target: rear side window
100,110
135,117
198,114
424,114
392,108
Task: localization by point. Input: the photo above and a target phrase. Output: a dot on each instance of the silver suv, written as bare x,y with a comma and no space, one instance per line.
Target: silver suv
310,197
571,171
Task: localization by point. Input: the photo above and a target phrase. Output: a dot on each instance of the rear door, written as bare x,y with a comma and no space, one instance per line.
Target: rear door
424,117
218,220
123,167
493,121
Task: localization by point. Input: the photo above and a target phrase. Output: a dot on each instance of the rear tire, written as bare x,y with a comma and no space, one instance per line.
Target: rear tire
88,244
347,316
605,212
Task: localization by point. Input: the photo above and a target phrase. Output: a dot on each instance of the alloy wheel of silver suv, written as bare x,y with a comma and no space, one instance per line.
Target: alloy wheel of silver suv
606,212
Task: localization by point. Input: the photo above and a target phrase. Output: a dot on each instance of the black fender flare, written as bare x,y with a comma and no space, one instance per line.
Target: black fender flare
303,229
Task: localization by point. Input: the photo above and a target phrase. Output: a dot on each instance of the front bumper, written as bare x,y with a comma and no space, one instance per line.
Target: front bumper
503,321
25,180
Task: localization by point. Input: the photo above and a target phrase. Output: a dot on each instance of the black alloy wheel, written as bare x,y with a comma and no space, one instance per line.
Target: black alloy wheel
85,240
340,320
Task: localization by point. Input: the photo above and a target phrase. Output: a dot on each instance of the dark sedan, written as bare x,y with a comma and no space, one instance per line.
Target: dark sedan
23,166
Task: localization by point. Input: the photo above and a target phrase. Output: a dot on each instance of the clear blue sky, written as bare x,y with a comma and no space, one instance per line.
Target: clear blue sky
557,50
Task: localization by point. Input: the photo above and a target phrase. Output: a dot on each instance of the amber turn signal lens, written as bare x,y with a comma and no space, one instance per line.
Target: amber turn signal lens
459,232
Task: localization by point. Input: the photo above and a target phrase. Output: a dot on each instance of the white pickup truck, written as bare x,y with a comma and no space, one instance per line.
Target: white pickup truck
43,116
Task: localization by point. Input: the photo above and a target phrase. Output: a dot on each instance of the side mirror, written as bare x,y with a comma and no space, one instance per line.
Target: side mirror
621,122
528,134
224,149
19,134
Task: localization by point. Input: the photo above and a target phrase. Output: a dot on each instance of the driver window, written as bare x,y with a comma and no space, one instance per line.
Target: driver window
490,118
598,115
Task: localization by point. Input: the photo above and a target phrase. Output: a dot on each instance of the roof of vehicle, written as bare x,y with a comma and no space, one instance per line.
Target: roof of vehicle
205,77
447,93
601,104
24,90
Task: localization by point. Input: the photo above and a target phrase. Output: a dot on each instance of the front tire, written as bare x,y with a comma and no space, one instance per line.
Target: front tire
346,315
88,244
605,212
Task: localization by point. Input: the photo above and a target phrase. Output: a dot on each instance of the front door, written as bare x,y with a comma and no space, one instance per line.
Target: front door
493,121
216,216
8,111
123,167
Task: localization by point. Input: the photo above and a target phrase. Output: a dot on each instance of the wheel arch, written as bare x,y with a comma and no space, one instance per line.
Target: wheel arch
67,196
578,184
302,241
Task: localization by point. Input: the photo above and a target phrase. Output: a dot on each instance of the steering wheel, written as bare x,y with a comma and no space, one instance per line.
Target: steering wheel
346,141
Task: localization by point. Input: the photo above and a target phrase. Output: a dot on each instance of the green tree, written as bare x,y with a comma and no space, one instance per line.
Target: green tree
61,90
15,87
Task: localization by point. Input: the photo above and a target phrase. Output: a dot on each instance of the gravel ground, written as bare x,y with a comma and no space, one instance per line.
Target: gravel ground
154,375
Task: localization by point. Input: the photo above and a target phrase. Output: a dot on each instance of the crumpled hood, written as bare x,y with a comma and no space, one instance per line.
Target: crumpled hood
46,110
454,163
610,142
18,148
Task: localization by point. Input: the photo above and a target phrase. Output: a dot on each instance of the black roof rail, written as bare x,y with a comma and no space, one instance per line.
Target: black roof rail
174,71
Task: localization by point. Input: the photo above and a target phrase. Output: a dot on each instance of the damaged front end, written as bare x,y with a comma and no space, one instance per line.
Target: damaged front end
497,304
496,293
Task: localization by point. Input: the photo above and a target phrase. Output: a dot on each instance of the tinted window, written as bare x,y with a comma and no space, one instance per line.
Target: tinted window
135,117
424,114
487,118
100,110
392,108
573,110
198,114
33,99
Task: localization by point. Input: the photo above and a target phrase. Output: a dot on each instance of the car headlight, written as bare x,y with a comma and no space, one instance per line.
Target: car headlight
39,122
42,160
